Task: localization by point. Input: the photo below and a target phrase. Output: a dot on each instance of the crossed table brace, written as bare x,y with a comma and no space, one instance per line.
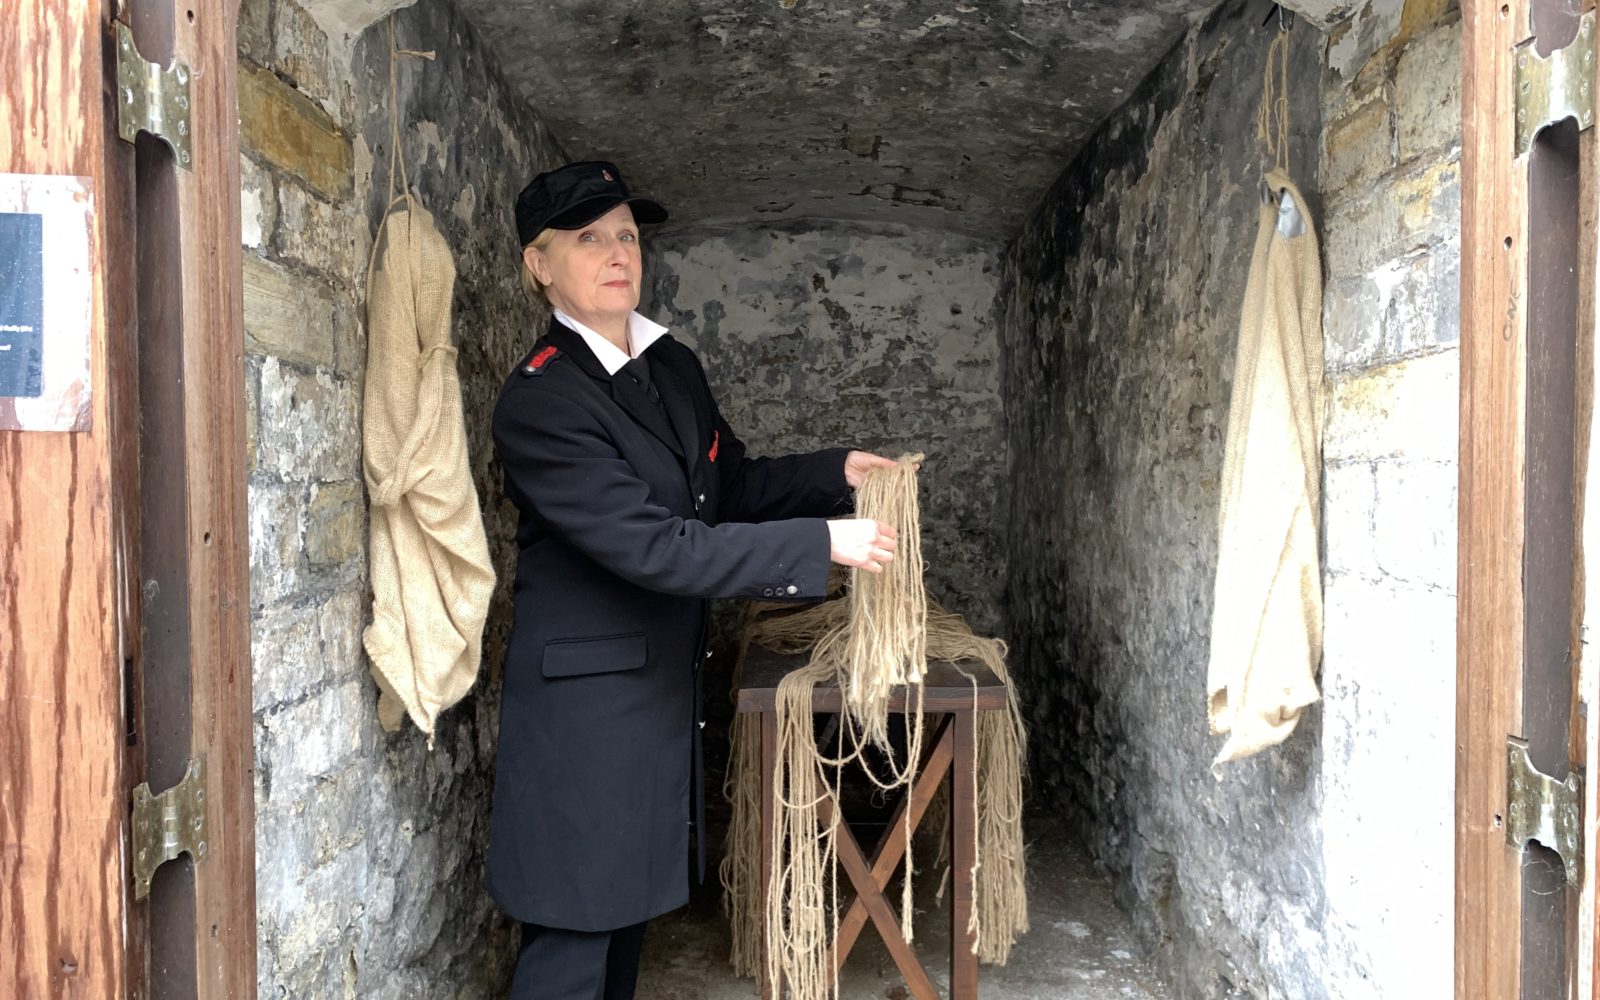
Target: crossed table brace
949,694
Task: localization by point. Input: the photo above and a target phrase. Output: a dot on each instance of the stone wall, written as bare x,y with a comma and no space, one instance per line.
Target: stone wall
1391,176
1120,304
369,845
882,339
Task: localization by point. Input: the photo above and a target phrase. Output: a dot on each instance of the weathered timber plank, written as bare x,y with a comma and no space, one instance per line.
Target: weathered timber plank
62,782
1489,563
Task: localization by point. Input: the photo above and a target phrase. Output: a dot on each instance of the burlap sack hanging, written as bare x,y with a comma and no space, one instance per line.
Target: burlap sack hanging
1267,615
431,575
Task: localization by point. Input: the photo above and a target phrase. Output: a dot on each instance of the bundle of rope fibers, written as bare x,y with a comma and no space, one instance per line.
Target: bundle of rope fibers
877,637
885,642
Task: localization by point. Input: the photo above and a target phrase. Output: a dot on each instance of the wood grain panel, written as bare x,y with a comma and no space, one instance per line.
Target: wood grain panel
769,987
62,784
217,532
963,856
1489,603
1586,719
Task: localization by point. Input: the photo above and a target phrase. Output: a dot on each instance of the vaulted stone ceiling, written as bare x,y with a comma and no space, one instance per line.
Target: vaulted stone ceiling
954,115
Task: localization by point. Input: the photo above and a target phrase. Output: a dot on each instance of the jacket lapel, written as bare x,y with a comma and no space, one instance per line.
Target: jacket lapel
637,403
681,408
625,392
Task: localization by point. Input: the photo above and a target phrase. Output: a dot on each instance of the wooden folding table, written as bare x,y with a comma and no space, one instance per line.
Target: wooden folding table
953,692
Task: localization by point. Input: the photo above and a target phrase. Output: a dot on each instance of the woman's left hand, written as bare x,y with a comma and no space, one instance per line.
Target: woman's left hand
858,463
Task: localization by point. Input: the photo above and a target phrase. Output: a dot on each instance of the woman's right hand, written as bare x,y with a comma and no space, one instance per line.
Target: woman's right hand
861,542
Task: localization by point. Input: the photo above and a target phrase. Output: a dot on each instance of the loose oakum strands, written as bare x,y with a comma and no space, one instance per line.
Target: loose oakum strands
878,638
885,642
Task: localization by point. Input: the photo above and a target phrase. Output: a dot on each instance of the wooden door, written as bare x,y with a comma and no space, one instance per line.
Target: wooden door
1526,407
124,591
63,777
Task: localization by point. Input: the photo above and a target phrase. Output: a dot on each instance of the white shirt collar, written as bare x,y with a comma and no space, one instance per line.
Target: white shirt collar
641,334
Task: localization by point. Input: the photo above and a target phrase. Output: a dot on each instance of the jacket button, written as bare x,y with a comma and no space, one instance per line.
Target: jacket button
793,590
766,592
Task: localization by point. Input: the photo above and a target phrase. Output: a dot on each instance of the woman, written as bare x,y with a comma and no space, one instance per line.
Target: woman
635,503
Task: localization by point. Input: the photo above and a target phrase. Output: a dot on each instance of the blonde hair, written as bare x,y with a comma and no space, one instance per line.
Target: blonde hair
530,282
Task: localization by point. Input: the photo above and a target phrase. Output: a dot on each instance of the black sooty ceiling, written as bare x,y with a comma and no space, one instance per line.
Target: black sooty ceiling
953,116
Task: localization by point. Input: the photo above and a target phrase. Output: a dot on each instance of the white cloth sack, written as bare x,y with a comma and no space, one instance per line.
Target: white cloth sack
1266,622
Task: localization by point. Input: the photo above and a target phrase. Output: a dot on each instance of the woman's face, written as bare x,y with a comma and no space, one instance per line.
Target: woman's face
593,273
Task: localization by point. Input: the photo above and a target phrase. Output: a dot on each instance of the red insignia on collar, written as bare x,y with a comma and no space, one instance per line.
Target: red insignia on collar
540,359
716,440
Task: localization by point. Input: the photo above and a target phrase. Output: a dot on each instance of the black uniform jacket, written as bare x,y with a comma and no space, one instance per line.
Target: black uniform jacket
632,513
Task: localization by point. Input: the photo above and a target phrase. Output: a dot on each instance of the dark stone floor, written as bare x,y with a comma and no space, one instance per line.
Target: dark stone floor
1080,946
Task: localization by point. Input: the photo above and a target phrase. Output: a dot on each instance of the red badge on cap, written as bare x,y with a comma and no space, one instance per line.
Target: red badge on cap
607,175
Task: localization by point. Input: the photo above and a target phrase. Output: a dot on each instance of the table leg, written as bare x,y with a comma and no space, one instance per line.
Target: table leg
891,846
872,899
768,767
963,850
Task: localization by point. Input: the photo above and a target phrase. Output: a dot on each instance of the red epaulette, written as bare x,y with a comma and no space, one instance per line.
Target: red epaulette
540,359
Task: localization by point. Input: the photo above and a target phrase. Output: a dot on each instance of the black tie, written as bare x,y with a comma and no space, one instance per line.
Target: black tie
639,370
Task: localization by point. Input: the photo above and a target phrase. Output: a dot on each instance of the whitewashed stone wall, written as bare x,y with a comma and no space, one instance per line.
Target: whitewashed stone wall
1391,176
1083,518
369,867
1321,868
882,339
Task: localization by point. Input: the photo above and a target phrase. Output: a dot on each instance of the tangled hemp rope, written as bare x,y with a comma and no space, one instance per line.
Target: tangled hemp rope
867,644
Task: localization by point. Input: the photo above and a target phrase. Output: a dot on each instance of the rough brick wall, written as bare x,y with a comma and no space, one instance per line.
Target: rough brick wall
1120,305
882,339
369,845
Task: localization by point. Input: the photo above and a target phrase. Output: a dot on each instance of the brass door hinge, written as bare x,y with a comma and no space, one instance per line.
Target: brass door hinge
150,98
1560,85
1541,808
166,825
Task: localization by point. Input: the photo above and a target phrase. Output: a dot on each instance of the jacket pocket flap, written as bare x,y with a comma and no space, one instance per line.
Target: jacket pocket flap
604,655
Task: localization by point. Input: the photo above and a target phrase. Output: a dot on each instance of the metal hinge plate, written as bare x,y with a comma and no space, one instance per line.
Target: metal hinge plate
151,99
1560,85
1544,809
166,825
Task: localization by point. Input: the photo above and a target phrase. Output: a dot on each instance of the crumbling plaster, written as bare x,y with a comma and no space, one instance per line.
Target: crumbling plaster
876,338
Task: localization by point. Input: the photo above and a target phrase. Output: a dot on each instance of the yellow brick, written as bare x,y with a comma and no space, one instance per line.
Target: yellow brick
1405,410
1417,16
1418,197
334,525
290,132
1358,146
287,315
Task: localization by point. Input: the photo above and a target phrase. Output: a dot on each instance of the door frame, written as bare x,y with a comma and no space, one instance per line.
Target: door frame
71,582
63,825
1494,502
198,327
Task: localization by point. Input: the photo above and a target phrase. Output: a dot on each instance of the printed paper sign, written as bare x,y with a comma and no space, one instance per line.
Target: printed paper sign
46,302
21,304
